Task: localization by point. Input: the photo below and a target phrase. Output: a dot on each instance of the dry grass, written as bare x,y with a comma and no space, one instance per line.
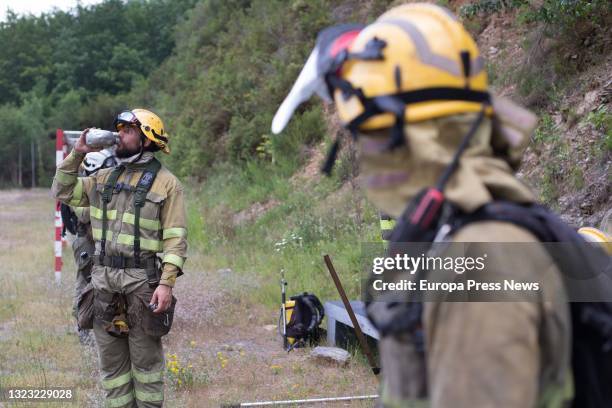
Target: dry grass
235,359
222,351
37,337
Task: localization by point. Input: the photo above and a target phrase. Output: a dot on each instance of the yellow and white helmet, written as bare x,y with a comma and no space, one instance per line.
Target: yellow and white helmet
415,62
591,234
428,63
149,123
95,161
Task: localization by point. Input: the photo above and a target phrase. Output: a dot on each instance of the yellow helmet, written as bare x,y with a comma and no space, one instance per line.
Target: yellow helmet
418,54
149,123
594,235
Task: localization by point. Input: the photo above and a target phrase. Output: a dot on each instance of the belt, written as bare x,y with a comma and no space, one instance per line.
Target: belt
123,262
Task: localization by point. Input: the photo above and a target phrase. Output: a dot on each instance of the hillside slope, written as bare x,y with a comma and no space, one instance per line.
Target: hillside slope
561,68
567,80
284,214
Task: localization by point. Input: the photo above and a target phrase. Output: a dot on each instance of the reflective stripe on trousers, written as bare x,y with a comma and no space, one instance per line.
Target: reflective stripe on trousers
139,357
118,390
148,385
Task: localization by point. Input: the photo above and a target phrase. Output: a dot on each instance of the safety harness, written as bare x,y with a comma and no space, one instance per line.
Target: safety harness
141,189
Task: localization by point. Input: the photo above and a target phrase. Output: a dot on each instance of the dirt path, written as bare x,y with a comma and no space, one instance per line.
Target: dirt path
218,352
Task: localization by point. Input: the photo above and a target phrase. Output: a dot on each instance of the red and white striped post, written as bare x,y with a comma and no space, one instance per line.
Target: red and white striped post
59,157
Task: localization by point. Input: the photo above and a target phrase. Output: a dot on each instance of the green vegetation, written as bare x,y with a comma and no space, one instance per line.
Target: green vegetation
577,178
546,131
74,69
601,120
303,222
564,15
471,10
562,169
560,15
216,71
234,63
548,137
561,40
569,25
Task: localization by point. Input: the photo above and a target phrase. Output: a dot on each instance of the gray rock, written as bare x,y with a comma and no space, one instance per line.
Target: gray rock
331,354
227,347
224,271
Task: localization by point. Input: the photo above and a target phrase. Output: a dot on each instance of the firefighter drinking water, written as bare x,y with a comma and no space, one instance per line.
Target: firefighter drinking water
137,211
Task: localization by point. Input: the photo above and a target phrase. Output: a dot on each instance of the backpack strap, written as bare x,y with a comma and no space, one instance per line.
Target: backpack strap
314,313
591,319
535,218
142,188
107,195
318,305
69,219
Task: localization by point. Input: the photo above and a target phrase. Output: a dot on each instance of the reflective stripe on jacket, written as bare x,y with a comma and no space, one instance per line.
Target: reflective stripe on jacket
162,219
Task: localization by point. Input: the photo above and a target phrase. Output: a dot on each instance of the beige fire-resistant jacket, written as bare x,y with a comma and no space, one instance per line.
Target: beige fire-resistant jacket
495,353
163,226
502,354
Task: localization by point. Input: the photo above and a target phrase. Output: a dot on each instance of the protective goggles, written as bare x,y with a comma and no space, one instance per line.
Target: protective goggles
125,118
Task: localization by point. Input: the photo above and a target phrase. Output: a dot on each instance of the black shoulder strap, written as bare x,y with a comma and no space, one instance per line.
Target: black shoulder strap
529,216
591,320
69,219
314,313
142,188
319,306
107,195
576,261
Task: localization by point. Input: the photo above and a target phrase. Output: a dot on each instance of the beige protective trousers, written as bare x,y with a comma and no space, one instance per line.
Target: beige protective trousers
132,368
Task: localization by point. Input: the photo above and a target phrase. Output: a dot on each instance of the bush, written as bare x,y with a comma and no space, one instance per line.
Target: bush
601,120
546,131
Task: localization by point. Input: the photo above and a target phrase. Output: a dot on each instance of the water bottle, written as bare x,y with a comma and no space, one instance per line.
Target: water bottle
99,138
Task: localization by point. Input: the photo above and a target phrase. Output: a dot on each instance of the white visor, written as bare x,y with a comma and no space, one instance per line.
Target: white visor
309,81
312,77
